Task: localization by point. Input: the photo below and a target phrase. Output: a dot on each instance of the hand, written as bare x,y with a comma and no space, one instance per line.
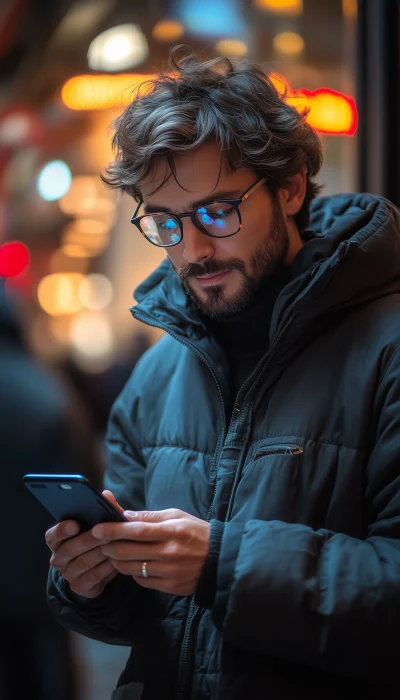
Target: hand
79,557
173,543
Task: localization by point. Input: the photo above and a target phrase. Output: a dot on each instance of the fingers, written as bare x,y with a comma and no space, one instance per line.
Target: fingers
110,497
72,548
138,530
72,568
92,583
56,535
82,563
133,551
155,516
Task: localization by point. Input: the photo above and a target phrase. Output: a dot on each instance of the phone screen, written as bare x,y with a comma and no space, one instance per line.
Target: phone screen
72,497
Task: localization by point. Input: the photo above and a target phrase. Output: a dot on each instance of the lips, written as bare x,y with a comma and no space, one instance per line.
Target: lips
213,278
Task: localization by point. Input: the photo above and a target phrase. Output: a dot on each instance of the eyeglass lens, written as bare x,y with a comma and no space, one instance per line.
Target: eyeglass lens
217,219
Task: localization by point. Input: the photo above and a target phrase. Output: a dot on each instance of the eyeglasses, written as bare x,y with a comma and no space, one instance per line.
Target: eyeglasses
219,218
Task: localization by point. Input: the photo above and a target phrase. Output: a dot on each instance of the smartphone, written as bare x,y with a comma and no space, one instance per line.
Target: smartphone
72,497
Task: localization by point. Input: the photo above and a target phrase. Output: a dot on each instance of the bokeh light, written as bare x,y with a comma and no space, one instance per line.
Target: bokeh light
118,48
288,43
81,195
58,293
350,9
281,7
89,92
85,227
212,19
232,47
92,235
14,259
73,250
168,30
54,180
92,341
95,292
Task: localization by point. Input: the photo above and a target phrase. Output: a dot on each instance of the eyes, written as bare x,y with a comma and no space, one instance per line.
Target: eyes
215,219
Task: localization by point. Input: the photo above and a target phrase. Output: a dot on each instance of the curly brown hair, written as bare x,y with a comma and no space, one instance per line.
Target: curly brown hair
232,102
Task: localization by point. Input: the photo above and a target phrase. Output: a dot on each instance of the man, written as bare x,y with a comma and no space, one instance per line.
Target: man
256,446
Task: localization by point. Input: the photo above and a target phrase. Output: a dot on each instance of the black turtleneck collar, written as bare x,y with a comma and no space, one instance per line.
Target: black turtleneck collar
245,335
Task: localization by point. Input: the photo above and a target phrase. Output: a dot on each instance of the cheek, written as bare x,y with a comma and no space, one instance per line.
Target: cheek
175,255
255,232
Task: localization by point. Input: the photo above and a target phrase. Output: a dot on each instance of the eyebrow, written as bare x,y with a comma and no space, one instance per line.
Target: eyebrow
153,208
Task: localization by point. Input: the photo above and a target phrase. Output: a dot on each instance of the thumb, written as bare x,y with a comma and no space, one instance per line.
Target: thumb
154,516
110,497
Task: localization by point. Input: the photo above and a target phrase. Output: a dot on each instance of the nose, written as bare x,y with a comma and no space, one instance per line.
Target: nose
197,246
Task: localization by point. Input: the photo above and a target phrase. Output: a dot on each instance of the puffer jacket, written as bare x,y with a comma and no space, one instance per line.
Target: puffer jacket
300,593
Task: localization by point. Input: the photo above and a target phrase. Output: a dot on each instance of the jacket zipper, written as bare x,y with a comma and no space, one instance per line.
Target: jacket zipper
285,323
184,680
278,450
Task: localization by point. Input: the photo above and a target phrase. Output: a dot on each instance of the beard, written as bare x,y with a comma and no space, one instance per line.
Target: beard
267,259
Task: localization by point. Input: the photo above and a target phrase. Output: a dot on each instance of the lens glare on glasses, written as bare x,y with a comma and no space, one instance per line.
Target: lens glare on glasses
161,229
218,219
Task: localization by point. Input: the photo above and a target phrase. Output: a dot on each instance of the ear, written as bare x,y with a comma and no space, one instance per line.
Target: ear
292,195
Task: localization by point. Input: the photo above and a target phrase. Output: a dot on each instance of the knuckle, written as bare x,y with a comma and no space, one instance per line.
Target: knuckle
180,528
54,562
177,513
51,537
172,549
93,576
140,530
85,561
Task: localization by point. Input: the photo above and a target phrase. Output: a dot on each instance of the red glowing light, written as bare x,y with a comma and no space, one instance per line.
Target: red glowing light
14,259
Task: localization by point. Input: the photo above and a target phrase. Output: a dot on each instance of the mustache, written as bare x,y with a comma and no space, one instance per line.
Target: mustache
211,267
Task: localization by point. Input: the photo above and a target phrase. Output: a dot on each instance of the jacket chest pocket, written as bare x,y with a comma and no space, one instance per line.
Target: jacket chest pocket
269,484
277,450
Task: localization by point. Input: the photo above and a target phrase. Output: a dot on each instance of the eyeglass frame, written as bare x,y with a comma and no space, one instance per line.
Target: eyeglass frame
233,202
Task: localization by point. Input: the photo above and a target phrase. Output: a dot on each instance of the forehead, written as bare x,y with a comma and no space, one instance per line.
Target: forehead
199,173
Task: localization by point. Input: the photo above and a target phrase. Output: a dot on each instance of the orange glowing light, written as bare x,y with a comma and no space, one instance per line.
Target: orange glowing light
280,82
284,7
168,30
87,92
330,112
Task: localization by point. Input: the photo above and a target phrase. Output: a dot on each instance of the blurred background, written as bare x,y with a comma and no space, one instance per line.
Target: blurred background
69,257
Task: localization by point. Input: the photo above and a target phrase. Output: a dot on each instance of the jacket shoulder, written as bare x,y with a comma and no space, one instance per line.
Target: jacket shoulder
154,370
384,317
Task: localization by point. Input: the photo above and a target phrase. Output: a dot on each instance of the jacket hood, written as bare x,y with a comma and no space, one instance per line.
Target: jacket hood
351,256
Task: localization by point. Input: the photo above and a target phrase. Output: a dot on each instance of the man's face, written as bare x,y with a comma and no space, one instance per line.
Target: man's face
222,275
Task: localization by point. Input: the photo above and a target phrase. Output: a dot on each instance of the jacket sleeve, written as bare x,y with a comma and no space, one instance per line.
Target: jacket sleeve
320,598
111,616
